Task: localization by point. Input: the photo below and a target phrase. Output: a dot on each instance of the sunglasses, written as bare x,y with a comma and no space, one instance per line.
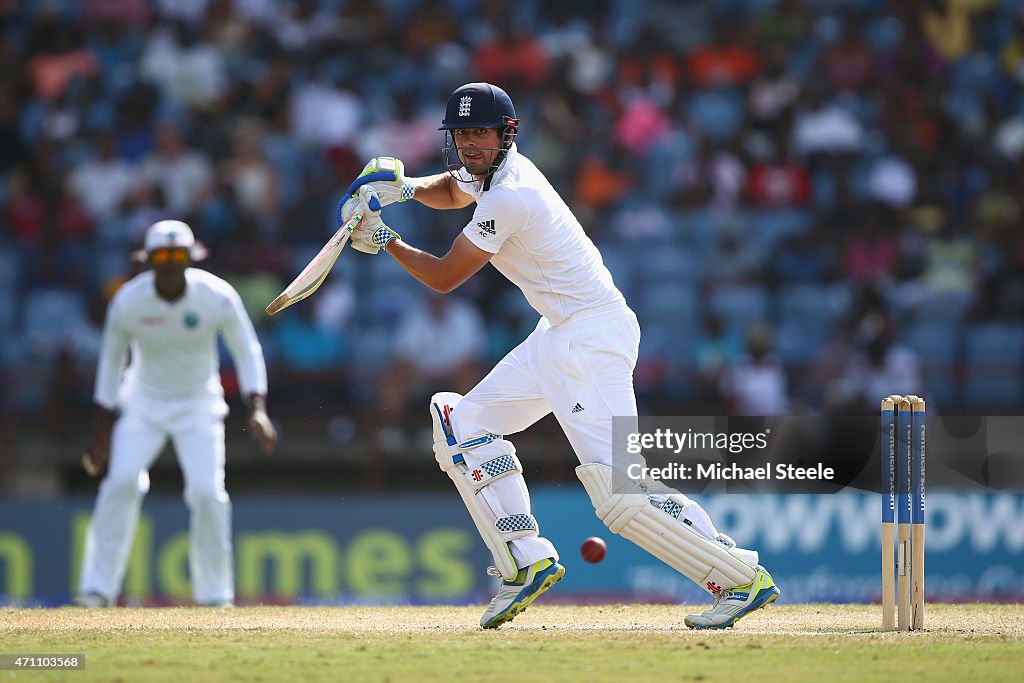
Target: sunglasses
159,257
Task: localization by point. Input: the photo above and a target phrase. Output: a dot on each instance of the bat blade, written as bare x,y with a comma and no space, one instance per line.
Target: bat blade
315,272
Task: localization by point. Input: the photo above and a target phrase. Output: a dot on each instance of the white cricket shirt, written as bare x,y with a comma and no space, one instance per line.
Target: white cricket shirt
537,242
174,344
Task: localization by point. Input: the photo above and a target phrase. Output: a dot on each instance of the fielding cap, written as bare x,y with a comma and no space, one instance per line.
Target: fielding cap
169,235
173,235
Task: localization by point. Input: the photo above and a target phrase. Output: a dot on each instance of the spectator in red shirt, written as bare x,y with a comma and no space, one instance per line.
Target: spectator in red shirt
779,181
60,60
648,61
728,61
514,57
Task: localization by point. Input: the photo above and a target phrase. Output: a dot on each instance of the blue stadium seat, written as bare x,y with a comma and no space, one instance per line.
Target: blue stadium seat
9,269
718,112
859,176
668,340
824,190
663,159
672,306
8,311
110,263
8,296
50,314
938,345
995,360
28,378
385,305
942,307
812,305
770,226
977,70
933,341
740,306
285,154
884,34
669,264
797,343
964,105
698,228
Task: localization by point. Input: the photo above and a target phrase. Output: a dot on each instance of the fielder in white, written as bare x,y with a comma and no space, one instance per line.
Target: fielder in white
169,317
578,363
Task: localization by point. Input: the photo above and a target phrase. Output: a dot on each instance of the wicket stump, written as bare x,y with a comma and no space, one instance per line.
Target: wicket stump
903,482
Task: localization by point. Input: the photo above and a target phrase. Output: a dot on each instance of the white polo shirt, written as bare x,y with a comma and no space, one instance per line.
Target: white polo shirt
537,242
174,345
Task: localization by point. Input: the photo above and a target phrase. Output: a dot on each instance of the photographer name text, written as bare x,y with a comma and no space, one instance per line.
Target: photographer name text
731,472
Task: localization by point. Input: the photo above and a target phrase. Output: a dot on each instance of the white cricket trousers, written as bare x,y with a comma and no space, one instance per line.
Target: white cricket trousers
582,371
136,443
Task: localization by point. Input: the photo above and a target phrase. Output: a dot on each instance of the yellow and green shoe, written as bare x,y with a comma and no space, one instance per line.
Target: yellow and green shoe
515,596
734,604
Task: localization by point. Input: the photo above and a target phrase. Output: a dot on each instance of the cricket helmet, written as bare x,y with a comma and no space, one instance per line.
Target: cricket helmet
478,105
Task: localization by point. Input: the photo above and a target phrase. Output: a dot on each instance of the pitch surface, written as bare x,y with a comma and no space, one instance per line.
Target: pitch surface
546,643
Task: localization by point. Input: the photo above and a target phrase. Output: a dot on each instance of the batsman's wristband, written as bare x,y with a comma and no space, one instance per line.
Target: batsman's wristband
383,236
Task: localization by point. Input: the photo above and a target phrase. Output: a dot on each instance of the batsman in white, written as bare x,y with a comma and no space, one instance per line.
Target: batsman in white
169,317
578,363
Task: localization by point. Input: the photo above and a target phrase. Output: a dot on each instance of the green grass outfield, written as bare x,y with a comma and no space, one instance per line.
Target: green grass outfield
623,643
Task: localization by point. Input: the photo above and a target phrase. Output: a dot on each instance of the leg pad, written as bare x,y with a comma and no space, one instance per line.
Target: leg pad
628,511
495,529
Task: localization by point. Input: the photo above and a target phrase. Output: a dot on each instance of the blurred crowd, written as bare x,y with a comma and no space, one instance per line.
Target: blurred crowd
810,203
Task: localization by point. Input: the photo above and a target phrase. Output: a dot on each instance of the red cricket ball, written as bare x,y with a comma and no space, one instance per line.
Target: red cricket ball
593,549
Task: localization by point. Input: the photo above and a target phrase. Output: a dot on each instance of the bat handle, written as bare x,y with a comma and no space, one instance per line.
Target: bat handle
357,217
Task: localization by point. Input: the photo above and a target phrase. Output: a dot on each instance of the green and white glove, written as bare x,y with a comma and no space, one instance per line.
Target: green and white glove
371,234
387,176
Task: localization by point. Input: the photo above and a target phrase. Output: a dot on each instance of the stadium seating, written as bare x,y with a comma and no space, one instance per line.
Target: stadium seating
995,365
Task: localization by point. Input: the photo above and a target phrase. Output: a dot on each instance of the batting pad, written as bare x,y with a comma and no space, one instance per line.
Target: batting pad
626,510
495,530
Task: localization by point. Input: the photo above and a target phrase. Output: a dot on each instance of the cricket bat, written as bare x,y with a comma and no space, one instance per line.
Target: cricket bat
315,272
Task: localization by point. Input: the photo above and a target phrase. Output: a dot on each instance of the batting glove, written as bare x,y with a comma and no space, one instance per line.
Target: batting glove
371,234
387,177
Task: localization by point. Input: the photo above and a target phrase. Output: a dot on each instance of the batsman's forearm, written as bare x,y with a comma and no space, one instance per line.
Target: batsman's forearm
256,403
440,192
427,268
103,423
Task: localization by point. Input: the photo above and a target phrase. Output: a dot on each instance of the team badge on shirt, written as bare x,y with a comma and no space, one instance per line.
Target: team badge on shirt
191,320
486,228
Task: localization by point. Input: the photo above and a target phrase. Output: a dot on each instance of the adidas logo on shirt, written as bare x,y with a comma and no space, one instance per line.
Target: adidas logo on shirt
486,228
577,408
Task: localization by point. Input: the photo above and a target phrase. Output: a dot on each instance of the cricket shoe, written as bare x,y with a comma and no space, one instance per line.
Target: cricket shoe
515,596
734,604
92,600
